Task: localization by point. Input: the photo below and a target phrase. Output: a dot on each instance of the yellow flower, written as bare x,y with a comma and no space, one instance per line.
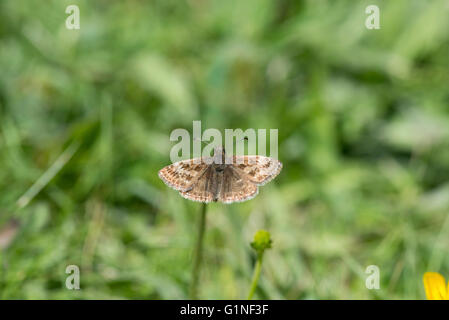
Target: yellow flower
435,286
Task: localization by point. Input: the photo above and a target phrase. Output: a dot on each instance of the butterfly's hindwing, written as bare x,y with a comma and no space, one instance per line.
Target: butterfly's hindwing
206,189
236,188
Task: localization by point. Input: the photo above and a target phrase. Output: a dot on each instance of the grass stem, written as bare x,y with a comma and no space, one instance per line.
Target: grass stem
198,254
256,275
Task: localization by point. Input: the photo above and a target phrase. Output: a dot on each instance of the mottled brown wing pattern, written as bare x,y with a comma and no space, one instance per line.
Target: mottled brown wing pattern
183,175
258,169
236,188
236,181
207,188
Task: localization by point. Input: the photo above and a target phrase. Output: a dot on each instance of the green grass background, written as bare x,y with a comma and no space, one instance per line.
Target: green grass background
363,119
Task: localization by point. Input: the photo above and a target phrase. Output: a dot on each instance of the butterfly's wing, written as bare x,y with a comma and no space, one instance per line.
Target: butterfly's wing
182,175
205,189
236,187
258,169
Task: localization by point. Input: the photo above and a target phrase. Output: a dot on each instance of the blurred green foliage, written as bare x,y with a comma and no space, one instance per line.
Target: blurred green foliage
363,119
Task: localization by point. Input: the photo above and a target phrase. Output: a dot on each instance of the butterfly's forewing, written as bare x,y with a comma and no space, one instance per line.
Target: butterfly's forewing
258,169
184,174
236,188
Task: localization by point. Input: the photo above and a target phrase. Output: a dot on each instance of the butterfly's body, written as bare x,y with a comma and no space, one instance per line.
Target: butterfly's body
213,179
220,178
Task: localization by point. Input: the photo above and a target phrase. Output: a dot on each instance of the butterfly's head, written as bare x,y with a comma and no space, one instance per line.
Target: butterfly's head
219,155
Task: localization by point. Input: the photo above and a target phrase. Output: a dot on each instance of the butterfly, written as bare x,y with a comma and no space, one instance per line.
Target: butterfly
220,178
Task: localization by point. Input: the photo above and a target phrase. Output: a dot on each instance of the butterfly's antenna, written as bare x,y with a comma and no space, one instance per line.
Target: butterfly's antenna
244,138
205,143
199,139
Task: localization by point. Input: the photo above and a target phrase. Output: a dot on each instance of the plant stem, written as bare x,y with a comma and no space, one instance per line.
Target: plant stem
198,254
256,275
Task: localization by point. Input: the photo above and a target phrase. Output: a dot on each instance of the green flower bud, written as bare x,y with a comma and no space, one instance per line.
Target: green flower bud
261,241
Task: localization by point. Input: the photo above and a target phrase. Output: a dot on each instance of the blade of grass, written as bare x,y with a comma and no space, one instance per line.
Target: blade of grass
49,174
